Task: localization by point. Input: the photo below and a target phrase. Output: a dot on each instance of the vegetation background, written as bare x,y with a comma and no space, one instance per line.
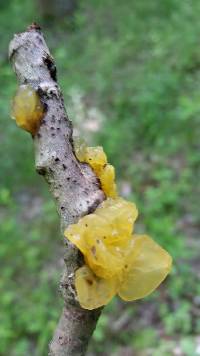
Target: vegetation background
130,73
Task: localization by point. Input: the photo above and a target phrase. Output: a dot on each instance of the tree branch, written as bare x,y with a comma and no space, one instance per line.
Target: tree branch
73,185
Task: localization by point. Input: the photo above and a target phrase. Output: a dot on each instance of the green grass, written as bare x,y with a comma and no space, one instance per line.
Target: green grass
133,69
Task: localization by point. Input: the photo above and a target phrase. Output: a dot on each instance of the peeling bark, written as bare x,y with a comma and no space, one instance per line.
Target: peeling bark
73,185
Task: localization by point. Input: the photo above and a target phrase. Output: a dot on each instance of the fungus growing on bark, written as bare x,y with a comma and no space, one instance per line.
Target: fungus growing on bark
27,109
117,261
96,158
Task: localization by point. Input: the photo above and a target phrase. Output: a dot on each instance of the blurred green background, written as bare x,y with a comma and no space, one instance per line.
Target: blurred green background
130,73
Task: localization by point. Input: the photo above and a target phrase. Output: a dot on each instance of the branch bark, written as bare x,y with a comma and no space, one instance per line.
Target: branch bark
73,185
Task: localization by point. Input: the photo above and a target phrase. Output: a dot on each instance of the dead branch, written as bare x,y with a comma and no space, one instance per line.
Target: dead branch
73,185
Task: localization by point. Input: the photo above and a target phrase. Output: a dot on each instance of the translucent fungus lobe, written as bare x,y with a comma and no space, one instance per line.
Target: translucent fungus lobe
92,291
27,109
146,269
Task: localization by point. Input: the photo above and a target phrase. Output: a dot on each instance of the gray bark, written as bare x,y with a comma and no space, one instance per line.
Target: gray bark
73,185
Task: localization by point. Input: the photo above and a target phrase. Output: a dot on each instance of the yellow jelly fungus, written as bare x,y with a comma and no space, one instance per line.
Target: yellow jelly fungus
80,148
92,291
117,262
103,237
146,270
27,109
107,179
96,158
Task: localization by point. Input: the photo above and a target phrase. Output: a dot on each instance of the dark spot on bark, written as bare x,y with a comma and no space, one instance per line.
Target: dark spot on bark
62,208
64,167
90,210
57,159
53,135
41,171
45,106
52,128
48,61
39,39
58,128
68,178
39,135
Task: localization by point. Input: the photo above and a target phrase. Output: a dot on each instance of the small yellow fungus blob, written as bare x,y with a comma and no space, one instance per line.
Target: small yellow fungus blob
27,109
96,158
117,262
107,179
80,148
